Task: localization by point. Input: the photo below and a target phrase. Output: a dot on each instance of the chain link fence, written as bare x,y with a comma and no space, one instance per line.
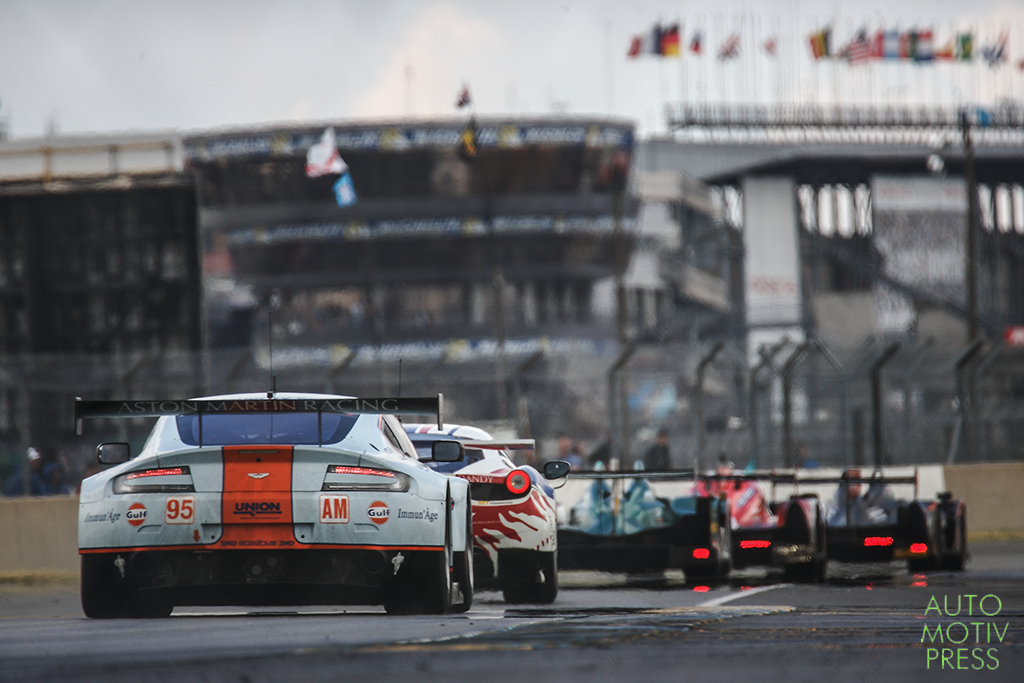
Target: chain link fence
883,403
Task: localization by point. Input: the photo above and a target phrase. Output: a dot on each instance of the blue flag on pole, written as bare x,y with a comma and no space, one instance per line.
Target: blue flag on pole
344,192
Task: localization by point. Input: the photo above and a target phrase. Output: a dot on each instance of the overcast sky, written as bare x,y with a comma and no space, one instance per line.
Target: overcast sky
111,65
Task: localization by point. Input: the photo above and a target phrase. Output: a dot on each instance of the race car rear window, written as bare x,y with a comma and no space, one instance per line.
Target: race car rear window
423,449
265,428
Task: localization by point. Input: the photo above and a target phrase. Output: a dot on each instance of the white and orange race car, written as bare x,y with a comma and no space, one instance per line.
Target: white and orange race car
273,499
514,526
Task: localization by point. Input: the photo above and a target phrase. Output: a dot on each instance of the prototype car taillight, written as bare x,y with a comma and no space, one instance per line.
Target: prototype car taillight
517,482
157,480
347,478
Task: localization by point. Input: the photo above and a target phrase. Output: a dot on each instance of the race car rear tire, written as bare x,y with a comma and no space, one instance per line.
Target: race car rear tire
423,584
106,594
463,569
956,560
531,579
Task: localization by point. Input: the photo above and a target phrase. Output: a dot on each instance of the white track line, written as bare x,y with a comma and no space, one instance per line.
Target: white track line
715,602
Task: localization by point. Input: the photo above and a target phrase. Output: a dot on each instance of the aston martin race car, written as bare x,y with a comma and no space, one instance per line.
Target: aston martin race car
874,526
514,527
788,534
273,499
621,525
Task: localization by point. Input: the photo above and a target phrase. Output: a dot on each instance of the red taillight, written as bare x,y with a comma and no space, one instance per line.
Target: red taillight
341,469
701,589
701,553
878,541
918,548
746,545
517,482
166,472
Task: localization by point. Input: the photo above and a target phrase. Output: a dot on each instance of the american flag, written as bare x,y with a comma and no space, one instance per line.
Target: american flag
859,49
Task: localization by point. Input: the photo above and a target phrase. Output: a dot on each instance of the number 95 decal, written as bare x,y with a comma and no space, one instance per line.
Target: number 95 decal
180,510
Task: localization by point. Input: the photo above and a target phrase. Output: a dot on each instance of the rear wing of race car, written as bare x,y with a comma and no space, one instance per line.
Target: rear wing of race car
507,445
660,475
424,405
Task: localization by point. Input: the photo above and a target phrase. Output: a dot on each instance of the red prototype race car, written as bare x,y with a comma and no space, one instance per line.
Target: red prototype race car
515,544
788,534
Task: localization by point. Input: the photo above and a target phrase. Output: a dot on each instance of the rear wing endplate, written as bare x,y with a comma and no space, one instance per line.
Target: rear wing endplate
423,405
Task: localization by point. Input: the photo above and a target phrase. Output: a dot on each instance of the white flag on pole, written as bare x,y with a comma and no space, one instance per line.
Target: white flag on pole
323,157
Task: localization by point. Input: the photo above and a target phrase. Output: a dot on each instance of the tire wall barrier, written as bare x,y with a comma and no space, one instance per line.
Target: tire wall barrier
42,533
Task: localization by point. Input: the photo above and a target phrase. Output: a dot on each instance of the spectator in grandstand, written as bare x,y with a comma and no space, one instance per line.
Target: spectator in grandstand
657,456
569,452
16,485
603,453
53,480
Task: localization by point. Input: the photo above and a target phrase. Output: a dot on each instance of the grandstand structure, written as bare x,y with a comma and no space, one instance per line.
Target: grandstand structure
857,238
738,281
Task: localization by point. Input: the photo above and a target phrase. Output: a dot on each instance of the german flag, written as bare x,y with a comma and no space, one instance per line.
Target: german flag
670,41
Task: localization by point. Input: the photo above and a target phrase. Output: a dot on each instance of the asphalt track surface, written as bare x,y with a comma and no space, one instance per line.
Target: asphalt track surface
865,624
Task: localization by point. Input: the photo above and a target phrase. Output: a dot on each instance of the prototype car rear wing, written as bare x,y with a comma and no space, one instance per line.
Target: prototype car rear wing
771,476
796,481
423,405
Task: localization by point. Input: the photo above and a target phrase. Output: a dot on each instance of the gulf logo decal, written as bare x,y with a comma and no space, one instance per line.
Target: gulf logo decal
378,512
334,509
136,514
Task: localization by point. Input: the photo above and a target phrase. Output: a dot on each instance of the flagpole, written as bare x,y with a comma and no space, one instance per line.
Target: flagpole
609,83
755,24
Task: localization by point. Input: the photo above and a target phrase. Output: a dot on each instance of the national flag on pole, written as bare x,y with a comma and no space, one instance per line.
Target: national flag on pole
908,44
636,47
891,44
344,191
646,43
653,44
463,99
820,43
467,148
965,47
669,45
771,46
730,48
924,46
947,52
878,45
995,53
323,157
695,43
859,49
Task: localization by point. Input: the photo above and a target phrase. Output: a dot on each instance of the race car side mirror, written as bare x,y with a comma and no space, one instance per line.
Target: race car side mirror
447,451
556,469
113,453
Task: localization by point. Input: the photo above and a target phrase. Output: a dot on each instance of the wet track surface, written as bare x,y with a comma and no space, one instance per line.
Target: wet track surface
864,622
